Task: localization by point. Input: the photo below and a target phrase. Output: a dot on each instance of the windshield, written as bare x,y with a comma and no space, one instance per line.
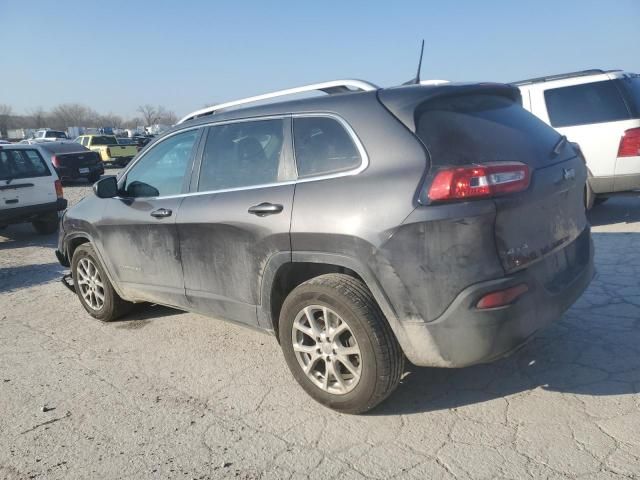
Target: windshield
104,140
15,164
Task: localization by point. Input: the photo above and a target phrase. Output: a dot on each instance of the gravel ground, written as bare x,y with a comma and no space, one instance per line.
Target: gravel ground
166,394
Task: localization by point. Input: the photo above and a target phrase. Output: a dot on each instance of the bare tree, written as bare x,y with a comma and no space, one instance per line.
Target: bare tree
152,115
72,115
149,114
110,120
38,117
5,116
167,117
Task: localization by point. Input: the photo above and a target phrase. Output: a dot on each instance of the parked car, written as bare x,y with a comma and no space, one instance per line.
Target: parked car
30,190
108,148
600,110
4,142
440,223
72,161
142,140
48,135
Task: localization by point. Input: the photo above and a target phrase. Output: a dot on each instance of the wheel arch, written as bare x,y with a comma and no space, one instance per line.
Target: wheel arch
284,272
72,242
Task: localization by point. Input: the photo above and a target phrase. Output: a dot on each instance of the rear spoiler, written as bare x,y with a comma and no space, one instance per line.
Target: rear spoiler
403,101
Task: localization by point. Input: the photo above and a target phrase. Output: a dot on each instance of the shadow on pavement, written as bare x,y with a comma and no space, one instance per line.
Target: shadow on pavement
23,235
594,350
25,276
624,209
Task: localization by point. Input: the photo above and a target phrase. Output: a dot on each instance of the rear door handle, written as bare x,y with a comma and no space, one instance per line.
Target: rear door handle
161,213
265,208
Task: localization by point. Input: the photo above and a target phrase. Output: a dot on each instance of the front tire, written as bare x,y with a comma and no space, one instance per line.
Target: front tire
338,345
93,287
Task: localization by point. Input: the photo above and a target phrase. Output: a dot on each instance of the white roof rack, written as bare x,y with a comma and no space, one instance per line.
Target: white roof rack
334,86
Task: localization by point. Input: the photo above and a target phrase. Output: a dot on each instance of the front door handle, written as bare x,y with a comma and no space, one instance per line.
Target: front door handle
265,208
161,213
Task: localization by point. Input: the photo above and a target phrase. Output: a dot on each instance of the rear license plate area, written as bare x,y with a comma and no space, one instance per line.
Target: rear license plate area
83,170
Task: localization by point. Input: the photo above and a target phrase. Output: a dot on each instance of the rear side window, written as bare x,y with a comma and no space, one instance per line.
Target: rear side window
583,104
631,87
481,128
16,164
323,146
243,154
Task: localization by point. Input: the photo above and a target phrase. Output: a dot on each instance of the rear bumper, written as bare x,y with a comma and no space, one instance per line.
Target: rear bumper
74,172
464,335
615,184
31,212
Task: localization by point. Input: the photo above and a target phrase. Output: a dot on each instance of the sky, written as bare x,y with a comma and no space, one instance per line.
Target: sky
116,55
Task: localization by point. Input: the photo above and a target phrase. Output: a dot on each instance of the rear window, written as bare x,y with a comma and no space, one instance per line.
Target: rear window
16,164
596,102
104,140
54,134
481,128
323,146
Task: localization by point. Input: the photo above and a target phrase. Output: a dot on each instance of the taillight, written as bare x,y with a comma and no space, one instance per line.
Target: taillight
55,161
479,181
108,152
502,297
630,143
58,185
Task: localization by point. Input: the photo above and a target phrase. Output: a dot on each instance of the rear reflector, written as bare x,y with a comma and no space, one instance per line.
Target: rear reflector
479,181
630,143
58,185
502,297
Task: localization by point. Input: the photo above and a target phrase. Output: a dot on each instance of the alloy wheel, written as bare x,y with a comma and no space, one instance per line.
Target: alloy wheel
326,349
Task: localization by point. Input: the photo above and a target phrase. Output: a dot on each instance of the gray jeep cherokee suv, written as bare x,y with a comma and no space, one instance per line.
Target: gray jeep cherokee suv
444,224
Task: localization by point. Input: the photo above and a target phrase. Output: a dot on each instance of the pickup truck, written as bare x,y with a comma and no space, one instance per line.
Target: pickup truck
108,148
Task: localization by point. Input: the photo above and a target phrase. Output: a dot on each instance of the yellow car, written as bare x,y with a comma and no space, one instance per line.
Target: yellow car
108,149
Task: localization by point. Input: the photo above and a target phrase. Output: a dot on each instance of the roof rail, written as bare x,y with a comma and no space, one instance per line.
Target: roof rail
581,73
334,86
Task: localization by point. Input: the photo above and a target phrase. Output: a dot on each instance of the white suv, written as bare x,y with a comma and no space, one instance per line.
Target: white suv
599,110
30,190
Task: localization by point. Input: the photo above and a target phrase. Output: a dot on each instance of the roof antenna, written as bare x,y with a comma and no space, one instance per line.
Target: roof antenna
416,80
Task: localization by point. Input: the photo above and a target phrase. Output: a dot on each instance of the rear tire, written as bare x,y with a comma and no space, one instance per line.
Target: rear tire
46,225
93,287
338,345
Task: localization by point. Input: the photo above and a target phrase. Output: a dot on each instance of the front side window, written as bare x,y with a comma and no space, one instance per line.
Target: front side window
323,146
162,170
595,102
16,164
244,154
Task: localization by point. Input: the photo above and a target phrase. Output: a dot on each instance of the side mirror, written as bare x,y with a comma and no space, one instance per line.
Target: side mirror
106,187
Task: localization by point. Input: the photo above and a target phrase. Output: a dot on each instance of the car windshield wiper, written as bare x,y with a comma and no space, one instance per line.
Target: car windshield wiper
561,143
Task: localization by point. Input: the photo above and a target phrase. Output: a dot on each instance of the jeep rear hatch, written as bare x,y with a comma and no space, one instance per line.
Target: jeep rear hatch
483,144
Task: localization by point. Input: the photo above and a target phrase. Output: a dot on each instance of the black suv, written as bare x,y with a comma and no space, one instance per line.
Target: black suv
444,224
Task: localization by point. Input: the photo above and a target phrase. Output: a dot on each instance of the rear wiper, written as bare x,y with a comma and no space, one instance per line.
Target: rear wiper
561,143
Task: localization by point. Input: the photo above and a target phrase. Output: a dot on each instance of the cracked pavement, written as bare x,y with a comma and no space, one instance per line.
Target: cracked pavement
166,394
